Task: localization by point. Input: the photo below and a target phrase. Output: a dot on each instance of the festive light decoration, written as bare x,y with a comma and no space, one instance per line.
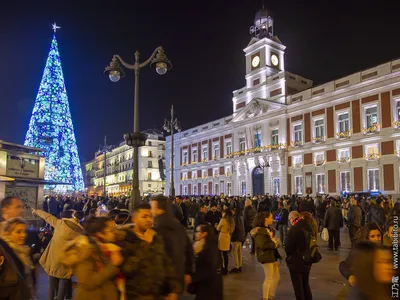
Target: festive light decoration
51,129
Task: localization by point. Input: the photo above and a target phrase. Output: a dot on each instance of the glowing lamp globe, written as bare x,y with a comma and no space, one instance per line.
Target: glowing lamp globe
161,68
114,76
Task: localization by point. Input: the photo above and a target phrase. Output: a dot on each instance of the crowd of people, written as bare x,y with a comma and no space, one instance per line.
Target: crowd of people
150,254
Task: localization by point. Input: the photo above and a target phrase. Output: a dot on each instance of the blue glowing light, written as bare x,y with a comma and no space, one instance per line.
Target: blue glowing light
51,129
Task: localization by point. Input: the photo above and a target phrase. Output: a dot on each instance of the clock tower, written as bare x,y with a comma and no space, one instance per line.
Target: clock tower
265,52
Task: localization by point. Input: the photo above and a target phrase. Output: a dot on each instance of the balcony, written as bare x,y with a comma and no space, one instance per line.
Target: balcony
273,147
372,156
204,160
228,174
371,130
298,165
184,164
319,140
343,135
343,160
297,144
319,163
215,175
194,162
204,177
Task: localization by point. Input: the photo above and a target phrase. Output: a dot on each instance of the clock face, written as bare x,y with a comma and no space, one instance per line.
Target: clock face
274,60
255,62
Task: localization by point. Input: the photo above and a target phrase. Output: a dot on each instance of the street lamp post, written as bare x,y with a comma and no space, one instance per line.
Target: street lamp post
160,62
170,126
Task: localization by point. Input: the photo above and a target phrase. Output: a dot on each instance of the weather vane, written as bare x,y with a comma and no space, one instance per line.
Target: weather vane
55,27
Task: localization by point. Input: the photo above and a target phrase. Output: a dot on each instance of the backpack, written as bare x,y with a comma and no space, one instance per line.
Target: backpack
311,255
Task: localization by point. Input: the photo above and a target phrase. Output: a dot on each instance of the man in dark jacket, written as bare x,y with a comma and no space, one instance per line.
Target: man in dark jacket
333,222
248,218
295,247
237,240
148,269
177,243
213,217
200,217
376,214
353,220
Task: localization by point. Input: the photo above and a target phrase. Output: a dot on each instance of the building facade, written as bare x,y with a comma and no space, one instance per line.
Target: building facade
119,168
286,136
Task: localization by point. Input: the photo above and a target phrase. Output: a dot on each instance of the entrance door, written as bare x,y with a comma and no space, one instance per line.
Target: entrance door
258,181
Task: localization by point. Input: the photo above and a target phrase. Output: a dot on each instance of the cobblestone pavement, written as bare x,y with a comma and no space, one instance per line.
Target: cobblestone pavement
325,279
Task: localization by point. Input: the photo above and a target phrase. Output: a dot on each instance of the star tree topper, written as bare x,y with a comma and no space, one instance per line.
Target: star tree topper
55,27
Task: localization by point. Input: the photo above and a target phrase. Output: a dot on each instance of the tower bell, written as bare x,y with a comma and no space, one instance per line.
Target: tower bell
263,25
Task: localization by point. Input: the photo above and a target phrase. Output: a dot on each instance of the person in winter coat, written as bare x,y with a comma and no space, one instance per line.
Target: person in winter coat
10,207
370,233
333,222
65,230
267,252
225,227
177,244
213,216
295,246
373,271
193,211
206,281
15,262
249,215
95,261
354,218
283,221
377,214
237,240
200,218
148,269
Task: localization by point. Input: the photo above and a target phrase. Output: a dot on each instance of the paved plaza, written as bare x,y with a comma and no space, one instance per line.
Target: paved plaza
325,279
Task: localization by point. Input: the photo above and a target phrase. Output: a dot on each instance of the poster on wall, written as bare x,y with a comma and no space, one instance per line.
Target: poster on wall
308,183
27,194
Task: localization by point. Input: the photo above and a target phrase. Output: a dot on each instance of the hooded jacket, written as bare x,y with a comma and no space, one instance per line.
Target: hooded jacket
177,244
64,230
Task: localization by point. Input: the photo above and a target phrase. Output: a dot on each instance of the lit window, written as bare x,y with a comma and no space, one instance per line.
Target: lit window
343,123
371,152
205,192
319,158
228,148
229,188
204,173
216,151
320,184
185,157
345,181
185,190
319,128
205,153
276,186
216,189
243,188
149,176
275,137
194,190
242,144
257,138
373,179
298,161
195,155
221,185
398,110
371,116
228,171
298,184
343,155
298,133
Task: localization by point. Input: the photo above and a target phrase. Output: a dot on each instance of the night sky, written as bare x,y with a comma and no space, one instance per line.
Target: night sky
203,39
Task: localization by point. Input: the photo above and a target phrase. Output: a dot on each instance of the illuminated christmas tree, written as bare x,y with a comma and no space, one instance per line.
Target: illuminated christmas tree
51,128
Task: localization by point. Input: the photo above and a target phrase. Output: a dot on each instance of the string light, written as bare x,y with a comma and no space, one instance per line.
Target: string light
51,129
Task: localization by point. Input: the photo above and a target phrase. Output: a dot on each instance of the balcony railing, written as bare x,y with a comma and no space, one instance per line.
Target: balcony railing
184,164
343,160
396,124
319,140
297,144
204,160
373,156
319,163
298,165
374,128
228,174
343,135
193,162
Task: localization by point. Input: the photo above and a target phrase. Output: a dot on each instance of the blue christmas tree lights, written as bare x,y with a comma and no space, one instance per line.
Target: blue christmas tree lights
51,129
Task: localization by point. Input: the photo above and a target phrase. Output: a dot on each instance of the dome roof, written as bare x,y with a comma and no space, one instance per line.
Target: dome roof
261,14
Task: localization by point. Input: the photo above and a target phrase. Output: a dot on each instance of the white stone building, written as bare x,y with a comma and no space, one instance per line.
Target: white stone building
286,136
120,168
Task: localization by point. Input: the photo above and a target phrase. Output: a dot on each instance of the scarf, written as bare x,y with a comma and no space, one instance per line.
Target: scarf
198,246
22,252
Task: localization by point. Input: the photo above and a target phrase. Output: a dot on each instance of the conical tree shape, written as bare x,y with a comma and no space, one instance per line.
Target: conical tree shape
51,128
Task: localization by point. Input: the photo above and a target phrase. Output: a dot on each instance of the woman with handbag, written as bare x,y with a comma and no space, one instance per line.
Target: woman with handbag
15,262
206,282
225,228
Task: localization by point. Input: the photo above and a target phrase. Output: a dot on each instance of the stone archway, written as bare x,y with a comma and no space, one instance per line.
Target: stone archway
258,181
